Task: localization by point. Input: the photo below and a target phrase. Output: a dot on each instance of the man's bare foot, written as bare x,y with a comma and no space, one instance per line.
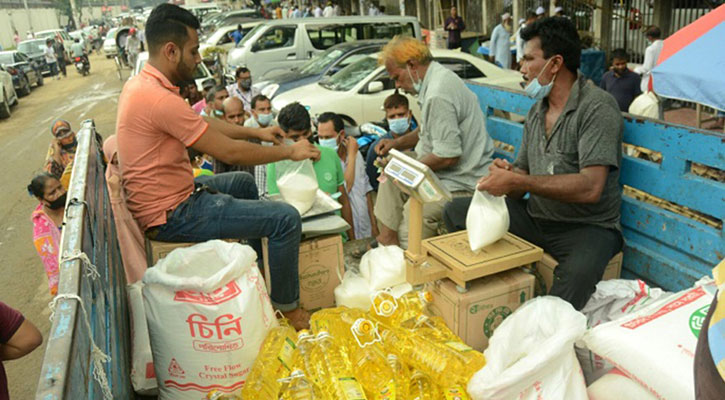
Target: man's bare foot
298,318
387,237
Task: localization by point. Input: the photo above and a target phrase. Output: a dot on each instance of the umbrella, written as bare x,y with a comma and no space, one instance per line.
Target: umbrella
691,66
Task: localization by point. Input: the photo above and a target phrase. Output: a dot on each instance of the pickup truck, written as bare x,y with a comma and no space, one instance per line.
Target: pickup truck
672,219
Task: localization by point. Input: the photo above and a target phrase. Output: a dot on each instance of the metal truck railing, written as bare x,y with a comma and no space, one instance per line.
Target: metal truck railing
672,212
87,352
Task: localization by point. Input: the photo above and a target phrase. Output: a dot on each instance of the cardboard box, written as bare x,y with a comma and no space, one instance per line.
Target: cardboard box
475,315
545,269
156,250
320,260
454,252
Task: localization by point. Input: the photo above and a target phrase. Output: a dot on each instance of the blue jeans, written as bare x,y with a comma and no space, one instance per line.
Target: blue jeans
370,169
236,212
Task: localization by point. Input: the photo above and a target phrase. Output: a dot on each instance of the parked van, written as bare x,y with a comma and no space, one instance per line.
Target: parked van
288,43
53,33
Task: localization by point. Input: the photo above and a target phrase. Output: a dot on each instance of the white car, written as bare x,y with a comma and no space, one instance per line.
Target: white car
8,96
109,44
357,92
220,37
202,72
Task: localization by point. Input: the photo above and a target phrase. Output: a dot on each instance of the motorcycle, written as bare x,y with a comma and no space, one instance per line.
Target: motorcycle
81,65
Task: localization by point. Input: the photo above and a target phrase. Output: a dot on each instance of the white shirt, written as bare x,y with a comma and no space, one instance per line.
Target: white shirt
500,47
358,198
49,53
260,171
328,12
520,44
650,61
373,11
318,12
246,98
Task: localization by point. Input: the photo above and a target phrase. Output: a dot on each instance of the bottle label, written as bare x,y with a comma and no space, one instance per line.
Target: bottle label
352,389
458,346
388,392
455,393
286,353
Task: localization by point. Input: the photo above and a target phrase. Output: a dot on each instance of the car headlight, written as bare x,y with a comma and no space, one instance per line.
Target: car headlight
270,90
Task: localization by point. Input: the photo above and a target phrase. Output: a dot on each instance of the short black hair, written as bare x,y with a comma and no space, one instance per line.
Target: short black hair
531,15
395,100
294,116
558,35
211,94
240,70
654,32
168,23
37,185
239,27
620,54
331,116
256,99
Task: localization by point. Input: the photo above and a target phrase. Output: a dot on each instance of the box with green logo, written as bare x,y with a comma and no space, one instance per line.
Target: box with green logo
475,314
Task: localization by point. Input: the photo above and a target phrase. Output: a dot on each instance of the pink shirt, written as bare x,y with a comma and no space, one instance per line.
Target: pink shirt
154,128
199,106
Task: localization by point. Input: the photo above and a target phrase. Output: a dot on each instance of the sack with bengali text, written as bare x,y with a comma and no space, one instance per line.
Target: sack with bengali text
208,313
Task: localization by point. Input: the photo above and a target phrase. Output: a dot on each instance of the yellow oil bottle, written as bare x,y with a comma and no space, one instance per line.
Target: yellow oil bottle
422,387
300,387
340,382
273,363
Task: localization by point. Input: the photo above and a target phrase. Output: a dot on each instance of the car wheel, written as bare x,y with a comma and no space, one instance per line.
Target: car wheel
5,107
40,79
25,87
16,101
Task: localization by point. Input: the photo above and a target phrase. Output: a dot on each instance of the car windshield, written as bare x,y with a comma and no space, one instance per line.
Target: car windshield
6,58
351,75
317,64
249,35
111,33
31,47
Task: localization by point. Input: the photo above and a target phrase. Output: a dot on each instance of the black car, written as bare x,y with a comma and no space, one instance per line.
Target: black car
319,67
23,70
35,50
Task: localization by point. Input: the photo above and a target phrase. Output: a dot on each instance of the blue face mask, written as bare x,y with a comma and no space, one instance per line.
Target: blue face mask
416,85
537,91
399,125
265,119
218,113
331,143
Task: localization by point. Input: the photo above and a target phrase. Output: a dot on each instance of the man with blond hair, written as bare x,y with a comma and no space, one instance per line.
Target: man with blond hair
452,141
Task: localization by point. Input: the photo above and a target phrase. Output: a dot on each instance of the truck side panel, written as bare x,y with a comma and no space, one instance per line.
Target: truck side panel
665,248
67,371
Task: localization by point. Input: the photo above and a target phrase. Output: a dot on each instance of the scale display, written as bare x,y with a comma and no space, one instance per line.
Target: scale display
415,178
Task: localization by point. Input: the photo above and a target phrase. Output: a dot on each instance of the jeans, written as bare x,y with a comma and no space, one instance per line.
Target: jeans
370,169
582,250
235,211
53,69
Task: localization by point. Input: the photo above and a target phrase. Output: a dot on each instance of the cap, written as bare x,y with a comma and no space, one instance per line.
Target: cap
558,10
505,16
60,128
540,11
132,31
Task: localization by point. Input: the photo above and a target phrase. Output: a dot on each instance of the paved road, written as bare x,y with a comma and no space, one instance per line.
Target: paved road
25,137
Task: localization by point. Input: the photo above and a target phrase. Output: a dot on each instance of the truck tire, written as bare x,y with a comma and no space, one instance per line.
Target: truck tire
5,107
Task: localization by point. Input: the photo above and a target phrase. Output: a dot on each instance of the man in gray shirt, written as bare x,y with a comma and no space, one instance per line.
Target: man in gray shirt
568,162
452,140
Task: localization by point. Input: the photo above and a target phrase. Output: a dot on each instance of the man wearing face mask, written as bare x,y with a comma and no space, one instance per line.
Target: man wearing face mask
452,140
243,88
331,134
215,102
155,127
62,150
262,117
568,162
400,121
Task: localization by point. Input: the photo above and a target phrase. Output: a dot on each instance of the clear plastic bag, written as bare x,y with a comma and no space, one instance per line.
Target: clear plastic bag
297,183
487,220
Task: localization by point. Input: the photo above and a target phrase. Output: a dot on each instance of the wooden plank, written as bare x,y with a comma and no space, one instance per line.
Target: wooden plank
506,131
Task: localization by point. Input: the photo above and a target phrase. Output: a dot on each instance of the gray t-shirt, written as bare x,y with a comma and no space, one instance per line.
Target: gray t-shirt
452,125
588,132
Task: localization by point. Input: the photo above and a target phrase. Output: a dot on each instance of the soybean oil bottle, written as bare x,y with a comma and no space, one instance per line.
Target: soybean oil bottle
436,330
369,362
396,311
401,378
422,387
340,383
300,387
273,362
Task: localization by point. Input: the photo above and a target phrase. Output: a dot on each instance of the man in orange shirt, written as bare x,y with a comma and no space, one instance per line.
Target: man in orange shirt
155,126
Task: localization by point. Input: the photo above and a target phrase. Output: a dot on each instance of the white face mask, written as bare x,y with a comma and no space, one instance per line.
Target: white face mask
536,90
417,86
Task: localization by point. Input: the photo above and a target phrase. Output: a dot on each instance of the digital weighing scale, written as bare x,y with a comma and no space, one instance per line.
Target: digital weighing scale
448,256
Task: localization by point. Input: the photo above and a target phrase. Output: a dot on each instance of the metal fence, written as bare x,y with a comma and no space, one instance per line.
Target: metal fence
90,308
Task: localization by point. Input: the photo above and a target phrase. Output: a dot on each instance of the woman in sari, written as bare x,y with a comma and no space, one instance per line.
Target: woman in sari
47,223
